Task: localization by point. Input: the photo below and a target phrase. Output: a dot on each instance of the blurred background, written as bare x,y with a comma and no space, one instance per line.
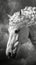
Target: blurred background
9,7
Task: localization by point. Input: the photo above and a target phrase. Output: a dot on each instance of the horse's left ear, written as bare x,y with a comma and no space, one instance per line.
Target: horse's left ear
9,16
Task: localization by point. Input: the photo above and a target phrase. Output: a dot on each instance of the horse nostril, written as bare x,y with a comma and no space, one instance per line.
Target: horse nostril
9,54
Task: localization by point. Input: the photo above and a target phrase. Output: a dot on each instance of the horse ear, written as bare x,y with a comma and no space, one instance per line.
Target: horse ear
9,16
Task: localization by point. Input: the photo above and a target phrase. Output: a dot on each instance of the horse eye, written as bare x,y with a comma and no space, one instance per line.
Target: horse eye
9,54
17,31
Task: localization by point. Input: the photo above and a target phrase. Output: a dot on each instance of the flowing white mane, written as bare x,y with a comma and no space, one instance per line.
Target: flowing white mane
26,14
27,17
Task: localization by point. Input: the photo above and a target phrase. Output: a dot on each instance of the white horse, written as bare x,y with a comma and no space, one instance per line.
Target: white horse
19,21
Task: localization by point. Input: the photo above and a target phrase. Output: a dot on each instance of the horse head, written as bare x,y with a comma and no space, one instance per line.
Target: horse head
17,22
